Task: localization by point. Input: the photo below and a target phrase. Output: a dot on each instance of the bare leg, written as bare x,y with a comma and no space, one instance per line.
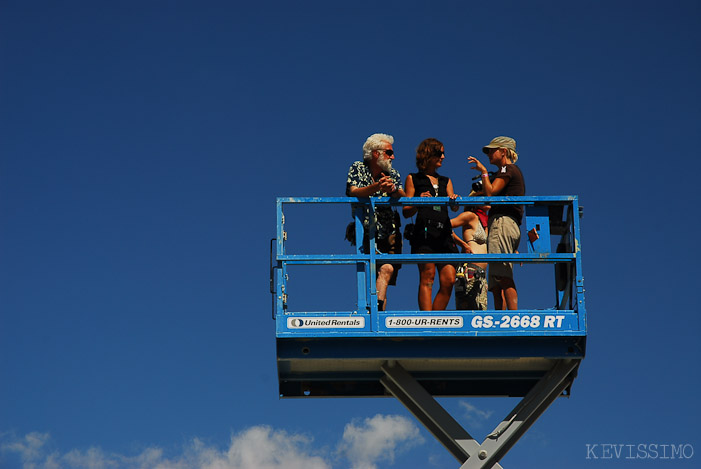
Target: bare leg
505,294
446,277
383,276
498,298
427,273
510,294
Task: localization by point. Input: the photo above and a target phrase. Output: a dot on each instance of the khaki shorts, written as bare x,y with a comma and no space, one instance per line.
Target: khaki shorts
503,238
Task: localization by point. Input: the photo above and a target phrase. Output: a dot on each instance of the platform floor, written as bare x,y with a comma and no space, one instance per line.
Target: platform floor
448,366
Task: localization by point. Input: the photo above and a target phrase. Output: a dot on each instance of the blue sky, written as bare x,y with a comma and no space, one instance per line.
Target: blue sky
142,145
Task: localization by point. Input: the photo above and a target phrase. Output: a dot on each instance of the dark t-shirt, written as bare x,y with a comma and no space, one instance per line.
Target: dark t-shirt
515,187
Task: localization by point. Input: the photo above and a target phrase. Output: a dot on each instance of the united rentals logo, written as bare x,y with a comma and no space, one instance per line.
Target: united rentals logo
326,323
296,323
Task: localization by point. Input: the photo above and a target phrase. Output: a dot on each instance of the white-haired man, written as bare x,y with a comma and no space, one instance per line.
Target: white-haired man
375,177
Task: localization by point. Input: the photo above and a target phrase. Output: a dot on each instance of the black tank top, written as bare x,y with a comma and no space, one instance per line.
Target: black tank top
427,212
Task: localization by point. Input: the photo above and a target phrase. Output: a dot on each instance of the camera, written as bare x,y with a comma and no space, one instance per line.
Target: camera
479,185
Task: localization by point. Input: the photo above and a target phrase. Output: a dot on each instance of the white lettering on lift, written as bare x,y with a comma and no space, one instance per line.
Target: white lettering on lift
517,321
394,322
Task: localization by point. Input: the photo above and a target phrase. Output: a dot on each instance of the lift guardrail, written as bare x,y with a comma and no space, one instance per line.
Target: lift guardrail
552,221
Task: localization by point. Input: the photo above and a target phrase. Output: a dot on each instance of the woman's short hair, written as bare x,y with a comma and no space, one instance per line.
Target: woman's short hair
375,142
429,148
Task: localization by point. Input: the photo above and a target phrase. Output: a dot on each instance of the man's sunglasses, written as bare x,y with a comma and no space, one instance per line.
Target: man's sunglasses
387,152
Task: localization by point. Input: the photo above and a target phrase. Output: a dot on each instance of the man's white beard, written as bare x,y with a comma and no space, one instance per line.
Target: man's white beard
384,163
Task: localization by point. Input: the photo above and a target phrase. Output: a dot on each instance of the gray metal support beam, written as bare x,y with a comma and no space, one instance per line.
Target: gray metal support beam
429,412
532,406
456,439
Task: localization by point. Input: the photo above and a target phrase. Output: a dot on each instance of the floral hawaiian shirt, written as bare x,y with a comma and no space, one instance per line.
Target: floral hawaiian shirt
359,175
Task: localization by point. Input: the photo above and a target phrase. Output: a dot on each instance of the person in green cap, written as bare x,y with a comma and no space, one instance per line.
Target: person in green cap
504,232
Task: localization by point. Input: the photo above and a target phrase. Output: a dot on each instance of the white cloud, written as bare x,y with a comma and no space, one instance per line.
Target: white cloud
261,447
256,448
476,416
30,449
377,439
93,458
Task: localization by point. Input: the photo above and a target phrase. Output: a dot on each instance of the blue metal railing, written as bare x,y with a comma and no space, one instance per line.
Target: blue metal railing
552,217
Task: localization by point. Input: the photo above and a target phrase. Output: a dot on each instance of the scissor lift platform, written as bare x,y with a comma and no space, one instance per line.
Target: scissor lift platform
415,355
444,366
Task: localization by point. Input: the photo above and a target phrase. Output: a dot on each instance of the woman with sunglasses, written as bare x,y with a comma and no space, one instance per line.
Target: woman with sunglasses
432,231
504,220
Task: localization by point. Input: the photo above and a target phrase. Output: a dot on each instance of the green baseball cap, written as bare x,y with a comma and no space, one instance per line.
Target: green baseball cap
500,142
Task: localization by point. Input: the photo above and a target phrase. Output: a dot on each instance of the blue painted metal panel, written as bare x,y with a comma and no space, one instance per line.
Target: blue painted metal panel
523,323
578,269
448,348
537,229
321,259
